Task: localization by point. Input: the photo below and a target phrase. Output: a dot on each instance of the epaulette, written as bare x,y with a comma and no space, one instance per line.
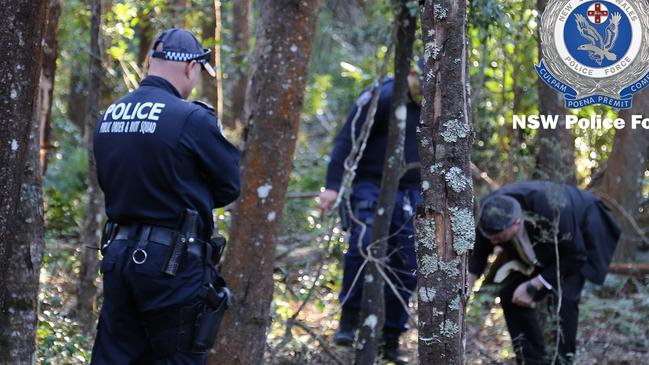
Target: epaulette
204,105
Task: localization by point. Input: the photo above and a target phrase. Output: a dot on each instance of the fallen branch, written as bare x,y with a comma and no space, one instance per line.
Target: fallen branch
624,268
481,175
320,340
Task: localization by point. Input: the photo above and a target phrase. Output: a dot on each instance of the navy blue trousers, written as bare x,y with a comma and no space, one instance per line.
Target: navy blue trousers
524,328
402,261
134,292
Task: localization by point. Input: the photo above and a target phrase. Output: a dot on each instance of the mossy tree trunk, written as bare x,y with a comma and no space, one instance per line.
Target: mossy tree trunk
444,223
373,303
21,205
274,102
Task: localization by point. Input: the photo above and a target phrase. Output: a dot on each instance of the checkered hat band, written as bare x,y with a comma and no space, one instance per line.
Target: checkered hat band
178,56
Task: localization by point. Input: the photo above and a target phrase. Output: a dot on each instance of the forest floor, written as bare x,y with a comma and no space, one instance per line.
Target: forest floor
614,318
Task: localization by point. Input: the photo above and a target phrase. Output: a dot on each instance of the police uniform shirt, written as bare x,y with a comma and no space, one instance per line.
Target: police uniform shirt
370,167
158,154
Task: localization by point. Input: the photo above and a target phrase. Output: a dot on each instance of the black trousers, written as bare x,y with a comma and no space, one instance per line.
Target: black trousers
524,327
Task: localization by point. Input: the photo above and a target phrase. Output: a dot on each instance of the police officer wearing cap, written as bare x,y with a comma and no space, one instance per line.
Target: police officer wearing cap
364,197
533,222
163,166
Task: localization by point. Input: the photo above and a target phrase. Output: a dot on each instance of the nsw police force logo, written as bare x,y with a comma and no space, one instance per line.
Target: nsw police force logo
595,52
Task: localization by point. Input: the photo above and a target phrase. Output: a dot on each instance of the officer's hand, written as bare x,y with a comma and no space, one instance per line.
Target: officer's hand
326,199
521,297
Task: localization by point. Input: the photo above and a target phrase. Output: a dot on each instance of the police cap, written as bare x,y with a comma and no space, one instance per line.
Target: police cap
182,46
498,213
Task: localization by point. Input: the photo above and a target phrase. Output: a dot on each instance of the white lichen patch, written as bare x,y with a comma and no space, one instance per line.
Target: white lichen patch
425,185
457,180
436,168
463,226
371,322
440,12
428,265
430,75
426,235
13,94
426,294
293,48
448,328
401,112
431,50
369,278
381,211
455,130
425,142
455,304
14,145
436,312
450,267
271,216
262,191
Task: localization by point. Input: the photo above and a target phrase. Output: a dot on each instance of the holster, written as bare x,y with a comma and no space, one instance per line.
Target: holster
186,234
200,322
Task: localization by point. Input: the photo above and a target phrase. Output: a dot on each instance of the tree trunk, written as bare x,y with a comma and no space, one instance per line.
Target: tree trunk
241,13
555,158
444,224
208,26
91,232
20,198
77,98
274,102
178,12
620,184
46,88
373,303
145,35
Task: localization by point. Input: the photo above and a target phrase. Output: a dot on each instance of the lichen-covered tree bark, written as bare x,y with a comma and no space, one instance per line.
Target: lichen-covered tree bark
555,158
273,105
91,231
444,223
50,53
373,304
20,201
241,12
620,184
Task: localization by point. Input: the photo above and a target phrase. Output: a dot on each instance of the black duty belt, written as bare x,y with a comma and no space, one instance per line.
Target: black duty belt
161,235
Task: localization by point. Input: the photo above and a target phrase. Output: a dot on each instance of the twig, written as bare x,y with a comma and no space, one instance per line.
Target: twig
320,340
481,175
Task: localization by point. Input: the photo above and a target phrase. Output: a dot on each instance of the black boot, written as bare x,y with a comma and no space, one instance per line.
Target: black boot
390,348
347,328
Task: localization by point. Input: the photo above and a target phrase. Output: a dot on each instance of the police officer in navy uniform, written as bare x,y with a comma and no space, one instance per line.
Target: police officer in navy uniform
364,197
163,165
521,218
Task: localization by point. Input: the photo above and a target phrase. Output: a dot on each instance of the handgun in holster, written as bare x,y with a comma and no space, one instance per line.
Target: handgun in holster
186,235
